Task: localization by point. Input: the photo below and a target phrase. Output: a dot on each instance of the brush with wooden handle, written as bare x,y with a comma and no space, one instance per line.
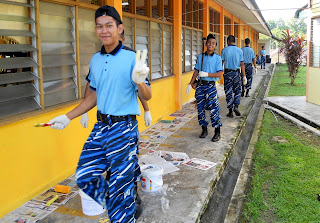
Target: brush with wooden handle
42,124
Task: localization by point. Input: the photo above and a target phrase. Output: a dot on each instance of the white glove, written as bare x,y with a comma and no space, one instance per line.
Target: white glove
203,74
84,120
140,70
256,70
245,80
59,122
147,118
189,88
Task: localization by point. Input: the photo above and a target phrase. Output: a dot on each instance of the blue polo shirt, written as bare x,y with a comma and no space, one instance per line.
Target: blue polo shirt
263,52
232,57
110,76
211,64
248,54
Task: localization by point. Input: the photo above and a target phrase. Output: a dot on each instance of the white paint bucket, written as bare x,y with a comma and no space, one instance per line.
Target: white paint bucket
89,206
151,180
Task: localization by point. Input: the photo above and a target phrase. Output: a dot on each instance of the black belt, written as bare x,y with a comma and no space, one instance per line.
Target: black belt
248,63
105,118
230,70
206,82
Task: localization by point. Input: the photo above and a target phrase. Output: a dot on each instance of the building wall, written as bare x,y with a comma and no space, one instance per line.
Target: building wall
313,72
35,159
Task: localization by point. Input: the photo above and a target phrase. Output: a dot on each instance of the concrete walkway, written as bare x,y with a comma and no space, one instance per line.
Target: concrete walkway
189,189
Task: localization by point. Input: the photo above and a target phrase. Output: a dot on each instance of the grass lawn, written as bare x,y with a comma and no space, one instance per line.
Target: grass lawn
285,177
280,85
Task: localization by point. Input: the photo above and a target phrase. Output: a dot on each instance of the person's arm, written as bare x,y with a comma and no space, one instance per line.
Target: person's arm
243,71
144,91
87,104
88,90
218,74
144,104
254,63
194,76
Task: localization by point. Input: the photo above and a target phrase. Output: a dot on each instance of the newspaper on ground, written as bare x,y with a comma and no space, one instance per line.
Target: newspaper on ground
29,212
174,157
49,194
199,164
154,159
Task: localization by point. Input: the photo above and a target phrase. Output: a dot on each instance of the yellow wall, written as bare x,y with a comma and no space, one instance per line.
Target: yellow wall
313,90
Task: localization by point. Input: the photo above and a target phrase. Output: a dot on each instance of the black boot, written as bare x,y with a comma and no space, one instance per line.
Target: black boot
247,93
216,136
230,114
236,110
204,132
138,208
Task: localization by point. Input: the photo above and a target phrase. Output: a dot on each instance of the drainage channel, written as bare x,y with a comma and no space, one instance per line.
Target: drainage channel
218,204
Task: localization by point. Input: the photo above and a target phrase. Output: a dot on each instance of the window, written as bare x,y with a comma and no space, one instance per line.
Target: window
200,26
167,50
89,44
128,32
156,50
58,53
236,29
141,6
187,50
315,43
211,20
19,86
227,26
191,48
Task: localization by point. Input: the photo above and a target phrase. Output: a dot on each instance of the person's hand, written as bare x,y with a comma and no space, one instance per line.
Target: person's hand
188,88
203,74
84,120
255,70
59,122
147,118
245,80
140,70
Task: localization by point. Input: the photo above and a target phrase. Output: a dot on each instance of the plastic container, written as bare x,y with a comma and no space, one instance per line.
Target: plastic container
89,206
151,180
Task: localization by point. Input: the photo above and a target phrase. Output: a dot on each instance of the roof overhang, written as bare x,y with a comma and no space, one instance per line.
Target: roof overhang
248,12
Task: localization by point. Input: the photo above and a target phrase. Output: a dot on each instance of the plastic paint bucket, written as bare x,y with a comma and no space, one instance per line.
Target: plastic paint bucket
89,206
151,180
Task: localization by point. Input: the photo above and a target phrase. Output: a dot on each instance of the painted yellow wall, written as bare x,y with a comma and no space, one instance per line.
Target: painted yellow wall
313,88
185,81
35,159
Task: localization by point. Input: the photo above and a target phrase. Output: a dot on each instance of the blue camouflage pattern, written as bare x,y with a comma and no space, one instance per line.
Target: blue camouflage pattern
207,98
248,70
111,147
232,88
263,61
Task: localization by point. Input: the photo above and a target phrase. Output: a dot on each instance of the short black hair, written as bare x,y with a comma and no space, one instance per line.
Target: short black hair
262,47
231,39
247,41
210,36
107,10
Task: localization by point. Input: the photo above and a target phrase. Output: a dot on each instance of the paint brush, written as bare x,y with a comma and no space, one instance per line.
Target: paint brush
41,124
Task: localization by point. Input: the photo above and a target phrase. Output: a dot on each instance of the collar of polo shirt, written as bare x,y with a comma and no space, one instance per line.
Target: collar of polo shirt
114,51
206,53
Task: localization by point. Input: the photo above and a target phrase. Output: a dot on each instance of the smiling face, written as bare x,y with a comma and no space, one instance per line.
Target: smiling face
108,32
211,45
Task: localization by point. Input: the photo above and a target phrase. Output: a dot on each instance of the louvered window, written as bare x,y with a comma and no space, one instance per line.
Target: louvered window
196,46
187,50
19,87
217,50
182,51
156,50
315,43
128,32
58,53
89,43
167,50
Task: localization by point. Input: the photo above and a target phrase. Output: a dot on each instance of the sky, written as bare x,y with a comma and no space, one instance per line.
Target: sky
285,14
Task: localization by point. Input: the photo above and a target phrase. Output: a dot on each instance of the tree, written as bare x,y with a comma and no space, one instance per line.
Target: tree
294,48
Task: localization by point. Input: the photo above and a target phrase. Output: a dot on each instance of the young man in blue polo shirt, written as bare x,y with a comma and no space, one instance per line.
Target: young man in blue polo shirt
232,57
263,57
249,59
116,77
208,69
